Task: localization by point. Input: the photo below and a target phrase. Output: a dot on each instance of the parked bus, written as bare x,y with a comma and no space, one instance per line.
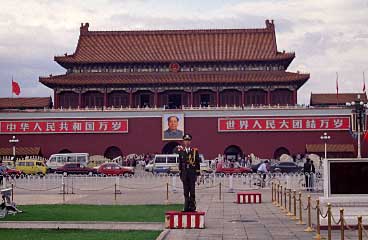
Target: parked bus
60,159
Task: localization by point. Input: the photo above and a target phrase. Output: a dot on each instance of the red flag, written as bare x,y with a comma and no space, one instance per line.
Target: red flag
15,88
365,138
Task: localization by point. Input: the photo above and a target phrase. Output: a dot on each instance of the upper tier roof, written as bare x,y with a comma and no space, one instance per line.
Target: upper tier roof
182,78
176,46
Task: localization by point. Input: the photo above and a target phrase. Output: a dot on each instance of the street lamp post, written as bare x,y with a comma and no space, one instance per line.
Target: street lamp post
359,108
13,141
325,137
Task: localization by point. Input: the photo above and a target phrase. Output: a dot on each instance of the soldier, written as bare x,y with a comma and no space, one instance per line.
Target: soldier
189,169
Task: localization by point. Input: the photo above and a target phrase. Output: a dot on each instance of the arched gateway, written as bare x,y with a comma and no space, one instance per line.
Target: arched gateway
112,152
232,152
278,152
169,147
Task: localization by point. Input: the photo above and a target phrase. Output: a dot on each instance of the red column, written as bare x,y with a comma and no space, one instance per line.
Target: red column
295,97
242,98
155,99
80,99
217,97
131,98
105,98
268,96
56,99
191,97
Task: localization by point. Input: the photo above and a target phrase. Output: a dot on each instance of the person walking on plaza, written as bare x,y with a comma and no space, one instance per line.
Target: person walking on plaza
2,173
263,170
189,169
307,170
312,175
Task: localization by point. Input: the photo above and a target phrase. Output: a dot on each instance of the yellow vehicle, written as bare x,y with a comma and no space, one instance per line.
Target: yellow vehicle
31,166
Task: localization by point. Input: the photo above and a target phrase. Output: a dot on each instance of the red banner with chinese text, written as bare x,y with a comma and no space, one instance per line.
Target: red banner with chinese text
283,124
64,126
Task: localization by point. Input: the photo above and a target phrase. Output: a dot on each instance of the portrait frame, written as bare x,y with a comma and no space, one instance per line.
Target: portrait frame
165,131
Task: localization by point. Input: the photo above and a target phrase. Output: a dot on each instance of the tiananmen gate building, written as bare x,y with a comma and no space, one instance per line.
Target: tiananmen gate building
229,88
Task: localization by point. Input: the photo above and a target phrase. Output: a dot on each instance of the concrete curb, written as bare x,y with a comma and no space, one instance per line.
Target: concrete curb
81,225
163,234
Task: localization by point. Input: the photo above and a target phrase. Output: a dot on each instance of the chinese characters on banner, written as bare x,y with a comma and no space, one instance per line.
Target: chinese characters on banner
283,124
64,126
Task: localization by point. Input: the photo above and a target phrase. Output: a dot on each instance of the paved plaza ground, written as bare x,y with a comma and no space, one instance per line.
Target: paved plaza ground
224,218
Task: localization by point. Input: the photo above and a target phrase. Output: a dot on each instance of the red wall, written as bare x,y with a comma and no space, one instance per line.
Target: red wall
145,137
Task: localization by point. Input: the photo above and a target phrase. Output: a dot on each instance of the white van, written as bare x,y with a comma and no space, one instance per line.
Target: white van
169,163
60,159
165,163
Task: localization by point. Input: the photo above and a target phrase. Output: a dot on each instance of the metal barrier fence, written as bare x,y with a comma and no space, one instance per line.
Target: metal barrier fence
230,183
278,191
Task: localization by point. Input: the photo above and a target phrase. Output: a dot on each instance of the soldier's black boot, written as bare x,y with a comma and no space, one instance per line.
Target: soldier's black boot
192,205
186,204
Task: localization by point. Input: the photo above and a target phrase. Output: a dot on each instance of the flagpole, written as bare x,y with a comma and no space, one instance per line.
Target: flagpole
364,84
337,89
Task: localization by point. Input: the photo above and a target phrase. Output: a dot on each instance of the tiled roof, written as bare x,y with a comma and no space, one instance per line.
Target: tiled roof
336,148
21,151
31,102
176,46
331,98
181,78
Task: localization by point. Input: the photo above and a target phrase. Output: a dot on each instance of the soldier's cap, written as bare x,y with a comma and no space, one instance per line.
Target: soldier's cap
187,137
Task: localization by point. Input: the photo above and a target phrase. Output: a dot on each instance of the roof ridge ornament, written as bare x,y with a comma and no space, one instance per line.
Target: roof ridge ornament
84,28
270,24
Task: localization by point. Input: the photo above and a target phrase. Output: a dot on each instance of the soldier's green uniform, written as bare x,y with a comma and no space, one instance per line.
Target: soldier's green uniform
189,168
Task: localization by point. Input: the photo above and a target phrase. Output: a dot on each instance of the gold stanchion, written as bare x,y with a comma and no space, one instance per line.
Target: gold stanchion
278,195
12,192
309,227
115,192
167,193
360,228
63,192
273,199
280,205
300,222
289,211
342,227
318,234
284,209
294,199
220,191
329,227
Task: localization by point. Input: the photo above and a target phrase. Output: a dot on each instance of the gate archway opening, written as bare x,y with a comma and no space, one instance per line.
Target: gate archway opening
113,152
233,152
65,151
278,152
169,147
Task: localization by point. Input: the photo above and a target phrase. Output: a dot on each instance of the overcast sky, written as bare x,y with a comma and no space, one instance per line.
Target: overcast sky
327,36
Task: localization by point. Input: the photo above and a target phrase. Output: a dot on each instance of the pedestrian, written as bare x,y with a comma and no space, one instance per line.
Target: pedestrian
312,175
263,170
189,169
2,173
307,170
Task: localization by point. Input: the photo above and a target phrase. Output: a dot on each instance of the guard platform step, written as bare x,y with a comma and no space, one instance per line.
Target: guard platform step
178,219
249,197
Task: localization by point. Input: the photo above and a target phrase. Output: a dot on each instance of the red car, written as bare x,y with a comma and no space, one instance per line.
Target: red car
75,168
232,170
114,169
12,172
